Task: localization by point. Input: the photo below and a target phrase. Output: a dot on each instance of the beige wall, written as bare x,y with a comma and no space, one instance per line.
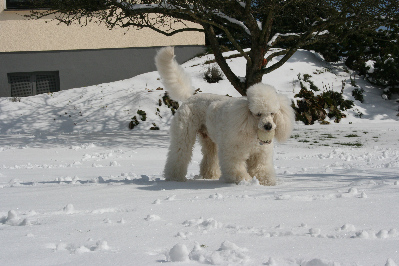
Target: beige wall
20,34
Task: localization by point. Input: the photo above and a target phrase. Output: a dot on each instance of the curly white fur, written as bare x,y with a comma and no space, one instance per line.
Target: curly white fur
173,76
226,127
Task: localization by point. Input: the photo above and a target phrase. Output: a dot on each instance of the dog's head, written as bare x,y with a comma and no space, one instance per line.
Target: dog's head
271,110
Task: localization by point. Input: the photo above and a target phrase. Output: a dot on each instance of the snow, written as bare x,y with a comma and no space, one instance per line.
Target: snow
78,187
277,35
234,21
179,252
370,65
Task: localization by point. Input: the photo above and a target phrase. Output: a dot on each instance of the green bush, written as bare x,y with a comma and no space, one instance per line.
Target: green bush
386,72
310,107
142,114
374,53
172,105
358,94
133,123
213,74
154,127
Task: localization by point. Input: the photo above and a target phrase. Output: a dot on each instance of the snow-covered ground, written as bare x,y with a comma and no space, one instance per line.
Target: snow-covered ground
78,187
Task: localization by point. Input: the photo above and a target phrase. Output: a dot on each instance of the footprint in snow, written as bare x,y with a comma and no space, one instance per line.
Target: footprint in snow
79,249
348,228
314,232
228,253
390,262
114,163
152,218
13,219
216,196
184,235
157,201
202,224
170,198
69,209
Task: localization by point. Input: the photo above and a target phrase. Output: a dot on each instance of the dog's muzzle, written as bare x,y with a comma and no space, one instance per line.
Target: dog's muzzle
265,137
268,126
261,142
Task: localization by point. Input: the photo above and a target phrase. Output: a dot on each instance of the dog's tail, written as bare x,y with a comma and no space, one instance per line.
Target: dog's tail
174,78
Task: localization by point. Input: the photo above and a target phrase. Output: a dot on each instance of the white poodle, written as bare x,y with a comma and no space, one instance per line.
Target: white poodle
227,128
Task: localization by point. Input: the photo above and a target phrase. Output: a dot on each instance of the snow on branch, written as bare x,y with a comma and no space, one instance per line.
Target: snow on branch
243,4
276,36
130,6
234,21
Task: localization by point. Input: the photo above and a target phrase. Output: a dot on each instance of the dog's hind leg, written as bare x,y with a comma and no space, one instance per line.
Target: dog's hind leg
209,167
182,140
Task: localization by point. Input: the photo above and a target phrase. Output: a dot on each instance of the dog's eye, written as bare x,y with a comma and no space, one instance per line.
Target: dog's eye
258,114
272,114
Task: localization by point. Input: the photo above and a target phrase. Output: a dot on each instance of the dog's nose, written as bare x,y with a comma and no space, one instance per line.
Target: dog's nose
268,126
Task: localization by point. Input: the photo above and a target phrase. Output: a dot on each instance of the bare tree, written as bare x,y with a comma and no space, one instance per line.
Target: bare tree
264,24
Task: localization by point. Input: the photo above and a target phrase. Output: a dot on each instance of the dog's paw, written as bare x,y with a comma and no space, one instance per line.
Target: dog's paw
235,178
267,182
176,179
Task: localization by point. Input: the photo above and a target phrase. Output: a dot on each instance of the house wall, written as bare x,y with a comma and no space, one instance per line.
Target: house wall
19,34
84,56
80,68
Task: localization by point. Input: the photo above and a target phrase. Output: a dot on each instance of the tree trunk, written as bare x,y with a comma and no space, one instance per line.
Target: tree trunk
221,61
254,68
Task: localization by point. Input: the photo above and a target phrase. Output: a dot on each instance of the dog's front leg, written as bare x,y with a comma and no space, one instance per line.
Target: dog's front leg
260,165
209,167
233,166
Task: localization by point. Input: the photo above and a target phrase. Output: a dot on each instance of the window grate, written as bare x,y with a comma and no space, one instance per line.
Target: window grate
46,84
32,83
21,85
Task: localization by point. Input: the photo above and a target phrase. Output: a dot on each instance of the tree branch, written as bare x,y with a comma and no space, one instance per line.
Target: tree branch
166,33
281,62
275,54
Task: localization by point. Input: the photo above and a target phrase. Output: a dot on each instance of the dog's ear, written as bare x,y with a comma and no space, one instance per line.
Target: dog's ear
240,116
284,119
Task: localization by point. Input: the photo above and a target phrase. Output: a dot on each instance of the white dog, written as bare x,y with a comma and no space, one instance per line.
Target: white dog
227,128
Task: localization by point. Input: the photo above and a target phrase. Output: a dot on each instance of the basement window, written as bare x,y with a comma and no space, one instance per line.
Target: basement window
26,4
33,83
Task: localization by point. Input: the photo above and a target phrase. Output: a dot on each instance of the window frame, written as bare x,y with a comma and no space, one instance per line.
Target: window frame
33,81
